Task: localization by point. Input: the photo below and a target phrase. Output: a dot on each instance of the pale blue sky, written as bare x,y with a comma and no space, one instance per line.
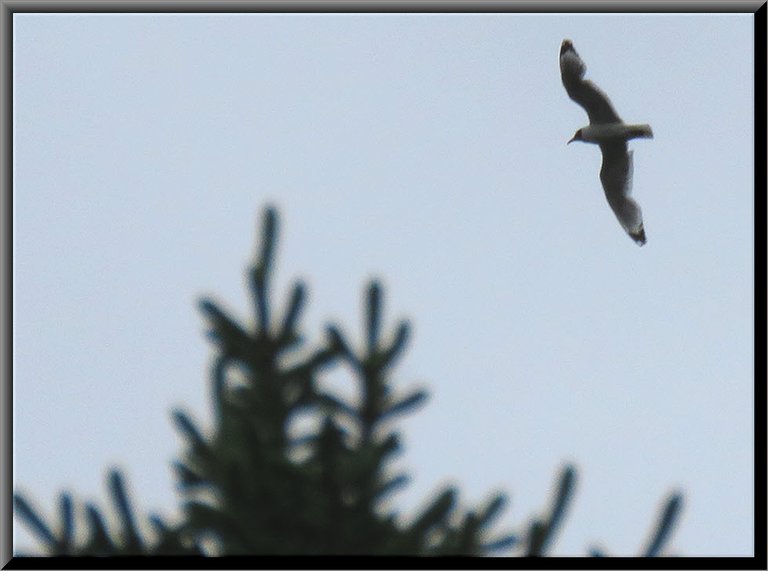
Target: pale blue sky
428,150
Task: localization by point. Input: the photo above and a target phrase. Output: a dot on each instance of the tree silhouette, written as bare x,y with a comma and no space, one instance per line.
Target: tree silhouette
254,483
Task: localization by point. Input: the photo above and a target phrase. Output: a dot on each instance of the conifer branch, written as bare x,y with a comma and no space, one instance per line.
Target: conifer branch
250,485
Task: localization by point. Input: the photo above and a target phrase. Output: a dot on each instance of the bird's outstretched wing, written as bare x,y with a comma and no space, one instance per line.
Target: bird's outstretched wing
616,176
583,91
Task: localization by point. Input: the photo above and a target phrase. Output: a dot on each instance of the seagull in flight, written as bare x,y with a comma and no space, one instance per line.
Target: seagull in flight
607,130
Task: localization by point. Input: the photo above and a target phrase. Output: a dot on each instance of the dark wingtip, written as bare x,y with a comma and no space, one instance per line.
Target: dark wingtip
567,45
639,236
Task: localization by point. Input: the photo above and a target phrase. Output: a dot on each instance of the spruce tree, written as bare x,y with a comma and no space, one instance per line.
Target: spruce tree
250,485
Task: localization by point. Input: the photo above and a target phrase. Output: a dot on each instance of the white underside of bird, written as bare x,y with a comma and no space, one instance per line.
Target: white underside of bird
607,130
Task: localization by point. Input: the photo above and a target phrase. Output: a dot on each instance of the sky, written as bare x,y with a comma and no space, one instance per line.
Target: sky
428,151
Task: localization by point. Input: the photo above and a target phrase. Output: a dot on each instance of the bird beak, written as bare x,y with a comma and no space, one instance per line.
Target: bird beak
572,140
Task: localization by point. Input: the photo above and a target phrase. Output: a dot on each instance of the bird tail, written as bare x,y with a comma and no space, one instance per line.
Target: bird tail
640,131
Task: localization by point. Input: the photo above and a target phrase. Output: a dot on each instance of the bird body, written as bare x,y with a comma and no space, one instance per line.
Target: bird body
607,130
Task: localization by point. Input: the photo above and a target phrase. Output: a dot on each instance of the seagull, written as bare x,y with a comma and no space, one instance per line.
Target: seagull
607,130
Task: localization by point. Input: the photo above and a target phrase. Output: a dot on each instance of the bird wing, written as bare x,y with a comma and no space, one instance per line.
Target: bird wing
583,91
616,177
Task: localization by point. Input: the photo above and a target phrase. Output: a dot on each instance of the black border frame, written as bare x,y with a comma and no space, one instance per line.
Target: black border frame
10,7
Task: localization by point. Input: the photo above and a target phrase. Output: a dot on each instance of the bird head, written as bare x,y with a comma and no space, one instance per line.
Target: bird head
576,137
